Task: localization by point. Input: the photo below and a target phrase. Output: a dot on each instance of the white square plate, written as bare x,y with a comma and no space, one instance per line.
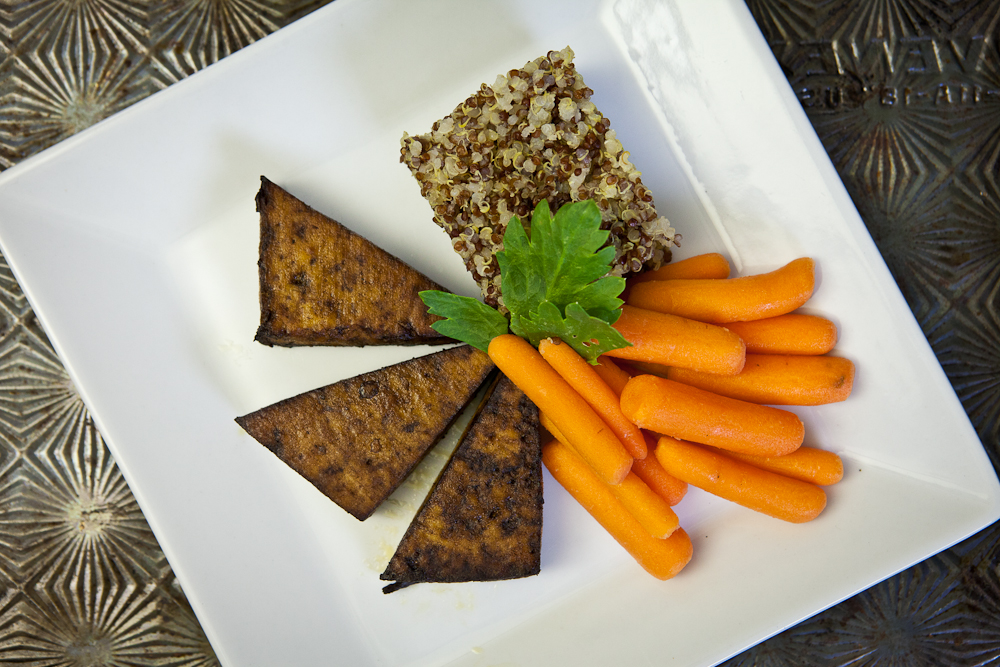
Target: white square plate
136,243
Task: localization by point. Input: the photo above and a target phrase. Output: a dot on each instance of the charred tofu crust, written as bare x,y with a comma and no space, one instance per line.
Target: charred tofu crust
322,284
482,520
358,439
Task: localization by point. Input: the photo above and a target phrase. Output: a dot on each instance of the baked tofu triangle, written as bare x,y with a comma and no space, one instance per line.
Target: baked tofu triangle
482,520
322,284
358,439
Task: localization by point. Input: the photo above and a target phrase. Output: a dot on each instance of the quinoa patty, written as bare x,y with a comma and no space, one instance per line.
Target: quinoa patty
534,134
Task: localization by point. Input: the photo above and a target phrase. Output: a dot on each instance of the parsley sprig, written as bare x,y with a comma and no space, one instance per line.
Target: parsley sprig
554,283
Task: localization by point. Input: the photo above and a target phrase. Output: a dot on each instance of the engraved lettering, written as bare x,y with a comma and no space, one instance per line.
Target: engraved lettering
864,57
943,94
834,97
920,55
938,56
847,72
820,59
970,52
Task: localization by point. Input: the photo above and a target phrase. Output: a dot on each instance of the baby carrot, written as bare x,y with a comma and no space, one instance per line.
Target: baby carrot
650,507
645,368
710,265
659,480
767,492
778,379
648,469
677,341
548,425
733,299
671,408
808,464
663,558
583,427
793,333
588,383
613,374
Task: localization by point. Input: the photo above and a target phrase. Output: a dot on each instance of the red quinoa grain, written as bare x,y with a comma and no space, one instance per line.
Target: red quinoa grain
534,134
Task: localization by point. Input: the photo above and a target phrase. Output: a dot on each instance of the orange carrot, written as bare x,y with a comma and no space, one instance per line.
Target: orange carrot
773,494
549,425
677,341
793,333
671,408
648,469
650,507
663,558
733,299
588,383
659,480
613,374
778,379
646,368
808,464
710,265
583,427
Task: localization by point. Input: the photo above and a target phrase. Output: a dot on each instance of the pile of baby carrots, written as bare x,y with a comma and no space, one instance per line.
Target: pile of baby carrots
690,402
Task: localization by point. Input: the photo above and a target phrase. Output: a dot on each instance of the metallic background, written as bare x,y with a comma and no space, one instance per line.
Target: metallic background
905,96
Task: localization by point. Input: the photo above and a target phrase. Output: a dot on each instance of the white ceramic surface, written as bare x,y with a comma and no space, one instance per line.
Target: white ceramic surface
136,243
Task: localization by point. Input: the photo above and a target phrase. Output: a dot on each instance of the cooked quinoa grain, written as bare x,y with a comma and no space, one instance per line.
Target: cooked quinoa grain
534,134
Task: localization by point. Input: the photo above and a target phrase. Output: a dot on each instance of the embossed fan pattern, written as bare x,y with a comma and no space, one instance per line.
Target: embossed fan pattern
904,94
82,579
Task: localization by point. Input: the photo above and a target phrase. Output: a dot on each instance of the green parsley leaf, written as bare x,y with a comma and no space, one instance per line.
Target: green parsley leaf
554,283
605,291
563,262
588,335
468,320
